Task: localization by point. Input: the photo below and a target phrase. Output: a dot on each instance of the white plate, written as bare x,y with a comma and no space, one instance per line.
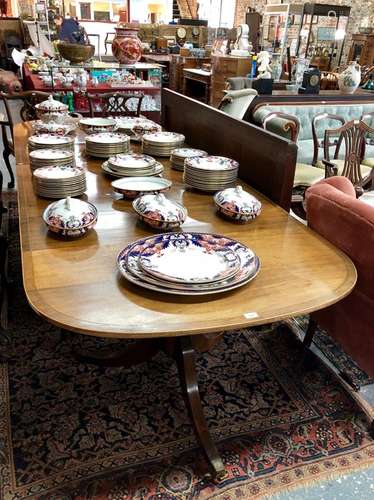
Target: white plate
107,138
50,154
133,186
160,138
212,163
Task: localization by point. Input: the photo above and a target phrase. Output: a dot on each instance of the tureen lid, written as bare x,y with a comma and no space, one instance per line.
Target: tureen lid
70,213
52,105
158,207
237,200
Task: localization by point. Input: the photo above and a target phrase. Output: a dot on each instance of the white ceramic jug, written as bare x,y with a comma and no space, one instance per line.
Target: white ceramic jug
350,78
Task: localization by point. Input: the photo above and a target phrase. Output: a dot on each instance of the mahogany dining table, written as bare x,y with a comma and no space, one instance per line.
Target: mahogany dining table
75,283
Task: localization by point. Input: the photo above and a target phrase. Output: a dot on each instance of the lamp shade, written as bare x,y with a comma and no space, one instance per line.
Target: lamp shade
156,7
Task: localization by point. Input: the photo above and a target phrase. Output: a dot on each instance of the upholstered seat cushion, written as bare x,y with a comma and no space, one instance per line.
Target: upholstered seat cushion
365,170
306,175
368,162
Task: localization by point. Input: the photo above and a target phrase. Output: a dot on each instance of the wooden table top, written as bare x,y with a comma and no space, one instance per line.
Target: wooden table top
75,284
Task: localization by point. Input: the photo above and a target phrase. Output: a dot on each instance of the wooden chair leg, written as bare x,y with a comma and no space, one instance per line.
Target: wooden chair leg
6,154
311,330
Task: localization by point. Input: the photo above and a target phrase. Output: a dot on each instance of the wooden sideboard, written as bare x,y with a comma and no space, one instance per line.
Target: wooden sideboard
362,49
224,67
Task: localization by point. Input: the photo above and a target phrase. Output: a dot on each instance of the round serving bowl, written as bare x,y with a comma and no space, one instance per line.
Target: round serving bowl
237,204
75,52
159,212
70,217
93,125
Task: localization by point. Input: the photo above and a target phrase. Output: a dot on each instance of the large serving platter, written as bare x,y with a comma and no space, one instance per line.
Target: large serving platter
128,264
189,260
131,187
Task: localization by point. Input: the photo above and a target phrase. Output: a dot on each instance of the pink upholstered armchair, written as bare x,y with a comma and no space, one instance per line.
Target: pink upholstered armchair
348,223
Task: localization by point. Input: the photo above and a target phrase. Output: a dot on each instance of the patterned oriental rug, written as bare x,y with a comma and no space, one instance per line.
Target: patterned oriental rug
75,431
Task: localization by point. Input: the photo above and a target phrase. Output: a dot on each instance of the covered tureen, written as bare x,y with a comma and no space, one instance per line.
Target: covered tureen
70,217
237,204
159,212
52,111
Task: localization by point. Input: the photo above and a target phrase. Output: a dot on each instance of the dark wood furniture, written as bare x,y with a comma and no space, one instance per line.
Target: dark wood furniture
114,103
362,49
109,40
282,97
321,144
27,112
210,129
74,284
196,84
178,64
224,67
353,135
253,19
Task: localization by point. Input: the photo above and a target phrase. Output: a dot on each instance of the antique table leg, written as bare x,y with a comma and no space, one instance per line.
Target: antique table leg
185,357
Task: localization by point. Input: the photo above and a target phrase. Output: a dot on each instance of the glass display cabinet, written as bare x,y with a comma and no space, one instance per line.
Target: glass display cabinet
322,34
280,29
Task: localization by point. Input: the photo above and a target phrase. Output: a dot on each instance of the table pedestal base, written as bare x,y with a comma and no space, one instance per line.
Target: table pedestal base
182,349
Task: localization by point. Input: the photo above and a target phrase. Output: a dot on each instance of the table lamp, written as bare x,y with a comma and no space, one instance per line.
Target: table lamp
155,8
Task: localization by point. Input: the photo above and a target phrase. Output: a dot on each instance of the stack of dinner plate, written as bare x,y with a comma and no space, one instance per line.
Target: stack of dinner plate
105,144
49,157
44,141
136,126
180,154
188,263
210,173
132,164
59,181
161,143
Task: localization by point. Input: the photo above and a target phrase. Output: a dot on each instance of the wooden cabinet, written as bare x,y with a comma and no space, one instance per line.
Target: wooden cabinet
362,49
224,67
178,64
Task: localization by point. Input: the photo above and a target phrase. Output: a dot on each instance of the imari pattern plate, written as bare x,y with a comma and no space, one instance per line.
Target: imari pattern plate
190,259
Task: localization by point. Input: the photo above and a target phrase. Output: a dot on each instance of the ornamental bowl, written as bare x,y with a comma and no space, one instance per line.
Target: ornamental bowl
76,53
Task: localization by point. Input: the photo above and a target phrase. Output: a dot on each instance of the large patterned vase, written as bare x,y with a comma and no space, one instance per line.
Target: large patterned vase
126,46
349,80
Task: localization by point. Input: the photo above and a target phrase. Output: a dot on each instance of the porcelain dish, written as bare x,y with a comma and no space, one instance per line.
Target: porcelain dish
156,169
70,217
237,204
43,141
179,155
129,266
210,173
93,125
137,126
132,187
159,212
51,110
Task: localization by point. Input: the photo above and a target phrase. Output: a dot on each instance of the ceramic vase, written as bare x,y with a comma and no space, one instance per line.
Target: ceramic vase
350,78
126,46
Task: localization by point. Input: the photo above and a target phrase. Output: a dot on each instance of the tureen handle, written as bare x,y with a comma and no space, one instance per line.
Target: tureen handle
239,190
67,202
160,198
